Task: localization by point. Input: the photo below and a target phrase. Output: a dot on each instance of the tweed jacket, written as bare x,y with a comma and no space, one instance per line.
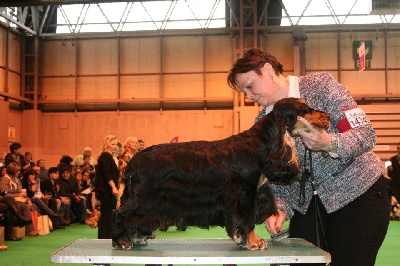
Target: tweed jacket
338,181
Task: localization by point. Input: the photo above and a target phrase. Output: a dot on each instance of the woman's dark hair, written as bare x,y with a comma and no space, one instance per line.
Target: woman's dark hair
52,170
15,146
253,59
29,172
66,159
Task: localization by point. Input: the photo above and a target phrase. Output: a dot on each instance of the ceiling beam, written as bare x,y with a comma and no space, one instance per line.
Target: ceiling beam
7,3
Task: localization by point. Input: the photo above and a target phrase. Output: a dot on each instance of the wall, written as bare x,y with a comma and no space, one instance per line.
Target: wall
176,70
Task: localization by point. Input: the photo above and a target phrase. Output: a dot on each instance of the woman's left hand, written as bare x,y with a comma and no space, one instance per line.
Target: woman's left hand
314,138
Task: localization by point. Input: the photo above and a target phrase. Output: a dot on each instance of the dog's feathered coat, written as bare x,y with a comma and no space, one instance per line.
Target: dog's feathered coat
211,183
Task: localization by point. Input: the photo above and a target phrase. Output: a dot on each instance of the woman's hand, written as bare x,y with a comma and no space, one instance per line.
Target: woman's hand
273,224
314,138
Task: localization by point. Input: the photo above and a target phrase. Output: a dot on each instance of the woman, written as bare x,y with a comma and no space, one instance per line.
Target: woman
31,183
340,201
12,186
131,148
106,185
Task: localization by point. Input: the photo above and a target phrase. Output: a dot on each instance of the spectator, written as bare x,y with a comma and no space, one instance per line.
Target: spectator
394,174
141,144
57,203
30,182
28,162
43,172
15,155
11,184
65,161
8,222
69,188
79,160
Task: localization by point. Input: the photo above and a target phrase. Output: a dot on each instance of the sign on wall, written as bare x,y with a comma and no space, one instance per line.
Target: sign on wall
11,133
363,48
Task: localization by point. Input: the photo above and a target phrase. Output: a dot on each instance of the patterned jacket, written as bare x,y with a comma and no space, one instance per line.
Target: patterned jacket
337,181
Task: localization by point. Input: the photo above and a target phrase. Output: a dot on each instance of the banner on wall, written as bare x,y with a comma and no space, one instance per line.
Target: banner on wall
11,133
363,50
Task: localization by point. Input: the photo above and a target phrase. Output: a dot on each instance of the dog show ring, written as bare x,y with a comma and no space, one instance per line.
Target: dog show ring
190,251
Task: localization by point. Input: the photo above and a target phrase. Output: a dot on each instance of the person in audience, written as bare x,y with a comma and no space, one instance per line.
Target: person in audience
86,188
86,166
43,172
8,221
31,183
14,156
59,204
28,162
394,174
11,184
131,148
106,184
79,160
141,144
3,171
69,188
65,161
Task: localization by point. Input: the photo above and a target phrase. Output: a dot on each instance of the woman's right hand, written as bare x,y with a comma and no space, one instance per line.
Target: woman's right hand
273,224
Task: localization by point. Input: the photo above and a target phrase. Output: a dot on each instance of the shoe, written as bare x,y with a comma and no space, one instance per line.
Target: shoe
32,233
12,238
54,215
67,223
59,227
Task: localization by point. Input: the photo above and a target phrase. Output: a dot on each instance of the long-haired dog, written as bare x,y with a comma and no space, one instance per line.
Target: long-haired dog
213,183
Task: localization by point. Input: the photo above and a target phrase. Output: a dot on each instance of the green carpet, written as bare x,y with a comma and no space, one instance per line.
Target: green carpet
34,251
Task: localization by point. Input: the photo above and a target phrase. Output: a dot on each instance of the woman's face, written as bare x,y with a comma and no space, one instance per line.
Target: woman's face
112,146
132,145
260,89
85,176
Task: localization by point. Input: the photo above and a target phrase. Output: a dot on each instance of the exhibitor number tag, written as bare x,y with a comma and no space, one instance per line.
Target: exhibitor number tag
356,117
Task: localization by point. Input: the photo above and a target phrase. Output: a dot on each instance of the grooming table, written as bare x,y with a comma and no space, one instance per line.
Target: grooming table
190,251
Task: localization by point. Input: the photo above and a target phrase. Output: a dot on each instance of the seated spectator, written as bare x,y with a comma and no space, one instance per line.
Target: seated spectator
11,184
43,172
27,163
79,160
30,182
69,188
7,221
65,161
86,188
50,186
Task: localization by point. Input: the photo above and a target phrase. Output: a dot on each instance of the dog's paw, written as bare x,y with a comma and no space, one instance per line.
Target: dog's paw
260,244
122,244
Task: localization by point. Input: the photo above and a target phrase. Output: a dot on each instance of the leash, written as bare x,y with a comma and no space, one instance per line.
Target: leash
308,176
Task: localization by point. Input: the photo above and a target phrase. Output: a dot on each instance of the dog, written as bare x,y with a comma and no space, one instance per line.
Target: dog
213,183
93,218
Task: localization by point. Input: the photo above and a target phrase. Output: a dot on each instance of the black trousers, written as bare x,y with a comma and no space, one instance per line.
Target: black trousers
354,233
108,203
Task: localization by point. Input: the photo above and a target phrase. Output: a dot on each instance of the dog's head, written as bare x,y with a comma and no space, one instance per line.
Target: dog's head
291,108
282,163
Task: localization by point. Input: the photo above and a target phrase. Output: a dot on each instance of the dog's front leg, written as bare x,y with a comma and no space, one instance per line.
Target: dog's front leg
255,242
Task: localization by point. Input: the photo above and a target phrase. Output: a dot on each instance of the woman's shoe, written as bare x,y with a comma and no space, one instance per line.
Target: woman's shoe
12,238
54,215
32,233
